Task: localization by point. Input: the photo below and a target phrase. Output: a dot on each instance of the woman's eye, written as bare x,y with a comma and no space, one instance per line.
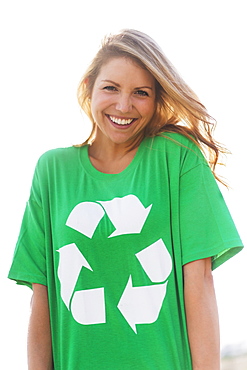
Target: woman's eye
110,88
142,93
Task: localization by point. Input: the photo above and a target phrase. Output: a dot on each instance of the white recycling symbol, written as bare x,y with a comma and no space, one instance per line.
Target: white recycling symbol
138,305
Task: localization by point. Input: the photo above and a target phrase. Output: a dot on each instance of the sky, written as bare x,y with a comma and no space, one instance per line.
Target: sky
45,48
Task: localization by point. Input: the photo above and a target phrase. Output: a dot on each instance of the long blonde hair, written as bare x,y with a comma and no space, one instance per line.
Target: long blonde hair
178,109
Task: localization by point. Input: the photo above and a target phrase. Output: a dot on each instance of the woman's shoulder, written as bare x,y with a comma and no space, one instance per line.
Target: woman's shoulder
60,153
178,147
177,142
59,156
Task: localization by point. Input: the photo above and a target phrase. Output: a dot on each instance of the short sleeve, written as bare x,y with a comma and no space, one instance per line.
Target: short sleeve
29,261
207,228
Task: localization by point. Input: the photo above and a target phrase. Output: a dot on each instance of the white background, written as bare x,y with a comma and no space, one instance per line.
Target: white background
45,47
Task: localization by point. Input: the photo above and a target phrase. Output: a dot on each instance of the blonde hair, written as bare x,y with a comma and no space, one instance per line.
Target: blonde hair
178,109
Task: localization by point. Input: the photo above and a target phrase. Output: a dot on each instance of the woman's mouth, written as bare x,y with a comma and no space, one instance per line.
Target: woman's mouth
121,121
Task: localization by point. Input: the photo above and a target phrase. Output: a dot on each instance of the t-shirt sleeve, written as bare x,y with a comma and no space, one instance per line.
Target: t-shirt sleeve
207,228
29,261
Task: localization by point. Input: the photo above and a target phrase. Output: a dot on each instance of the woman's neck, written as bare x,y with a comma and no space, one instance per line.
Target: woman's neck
110,159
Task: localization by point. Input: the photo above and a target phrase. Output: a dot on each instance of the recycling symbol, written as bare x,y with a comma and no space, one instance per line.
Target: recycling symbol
138,305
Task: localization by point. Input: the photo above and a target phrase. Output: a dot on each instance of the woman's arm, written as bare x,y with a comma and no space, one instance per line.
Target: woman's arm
202,315
39,334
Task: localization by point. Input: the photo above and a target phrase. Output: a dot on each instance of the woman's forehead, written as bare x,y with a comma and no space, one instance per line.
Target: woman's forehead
122,67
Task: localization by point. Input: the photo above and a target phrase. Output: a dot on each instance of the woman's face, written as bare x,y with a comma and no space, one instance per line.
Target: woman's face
122,102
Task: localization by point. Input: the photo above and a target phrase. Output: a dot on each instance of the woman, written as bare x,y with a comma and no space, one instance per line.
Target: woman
121,233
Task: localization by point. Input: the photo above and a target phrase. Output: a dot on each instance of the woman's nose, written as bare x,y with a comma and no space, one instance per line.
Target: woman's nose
124,103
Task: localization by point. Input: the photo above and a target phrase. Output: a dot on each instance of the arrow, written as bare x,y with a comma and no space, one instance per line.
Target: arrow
85,217
156,261
127,214
71,261
88,306
141,305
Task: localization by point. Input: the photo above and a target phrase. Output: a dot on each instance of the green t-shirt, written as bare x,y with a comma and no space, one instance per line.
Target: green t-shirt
110,248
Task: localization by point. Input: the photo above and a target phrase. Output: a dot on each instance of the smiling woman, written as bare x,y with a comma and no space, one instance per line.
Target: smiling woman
177,107
122,105
121,233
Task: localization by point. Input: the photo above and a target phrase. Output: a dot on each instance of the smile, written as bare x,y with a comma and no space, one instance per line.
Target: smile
120,121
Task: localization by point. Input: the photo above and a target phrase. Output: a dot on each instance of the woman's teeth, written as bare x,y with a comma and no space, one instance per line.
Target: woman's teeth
120,121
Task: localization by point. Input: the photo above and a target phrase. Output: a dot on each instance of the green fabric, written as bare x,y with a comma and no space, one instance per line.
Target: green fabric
111,247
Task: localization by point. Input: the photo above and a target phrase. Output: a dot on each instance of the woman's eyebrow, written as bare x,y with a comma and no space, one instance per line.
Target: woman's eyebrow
112,82
136,88
143,87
